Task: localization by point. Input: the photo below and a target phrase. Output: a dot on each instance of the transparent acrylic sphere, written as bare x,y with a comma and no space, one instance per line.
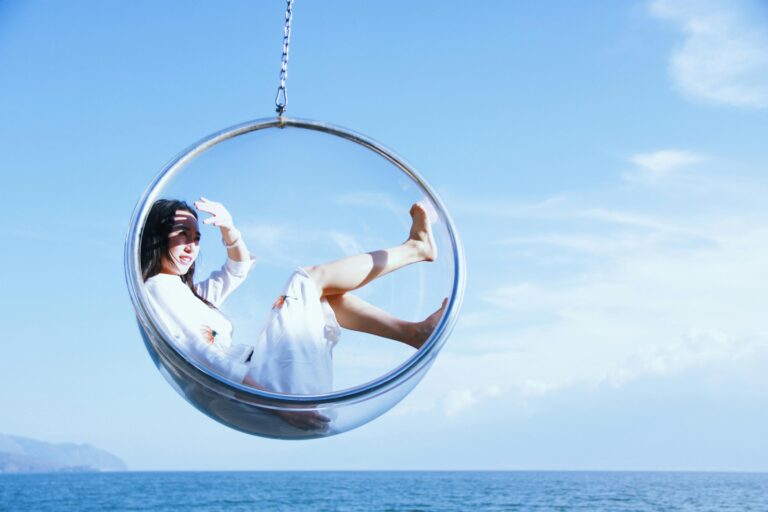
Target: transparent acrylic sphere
304,193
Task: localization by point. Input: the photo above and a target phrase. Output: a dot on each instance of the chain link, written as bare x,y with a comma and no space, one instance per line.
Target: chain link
281,100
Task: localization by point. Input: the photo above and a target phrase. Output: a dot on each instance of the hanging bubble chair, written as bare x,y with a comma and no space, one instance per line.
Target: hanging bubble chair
304,192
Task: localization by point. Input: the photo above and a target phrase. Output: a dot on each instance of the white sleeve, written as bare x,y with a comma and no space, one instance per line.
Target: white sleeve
192,343
224,281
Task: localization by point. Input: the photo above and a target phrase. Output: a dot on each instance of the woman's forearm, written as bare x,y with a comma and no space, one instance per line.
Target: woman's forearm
236,248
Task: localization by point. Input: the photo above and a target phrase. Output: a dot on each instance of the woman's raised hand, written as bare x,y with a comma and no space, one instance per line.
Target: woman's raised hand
220,216
230,235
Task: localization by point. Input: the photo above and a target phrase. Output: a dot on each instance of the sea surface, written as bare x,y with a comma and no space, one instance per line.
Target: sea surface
385,491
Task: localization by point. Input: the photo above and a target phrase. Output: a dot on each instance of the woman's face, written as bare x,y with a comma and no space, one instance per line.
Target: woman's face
183,244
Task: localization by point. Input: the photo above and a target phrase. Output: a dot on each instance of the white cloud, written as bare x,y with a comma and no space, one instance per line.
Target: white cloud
653,167
410,407
459,400
638,220
506,208
642,314
346,242
295,245
694,348
591,244
724,56
364,199
267,236
636,292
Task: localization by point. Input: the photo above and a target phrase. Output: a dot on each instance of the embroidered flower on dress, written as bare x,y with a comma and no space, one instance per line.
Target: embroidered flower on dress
209,334
280,302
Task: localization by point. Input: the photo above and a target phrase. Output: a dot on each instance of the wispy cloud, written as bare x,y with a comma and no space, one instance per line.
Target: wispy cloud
459,400
659,310
366,199
544,208
651,168
607,245
297,245
346,242
648,222
363,199
724,56
452,402
91,232
629,289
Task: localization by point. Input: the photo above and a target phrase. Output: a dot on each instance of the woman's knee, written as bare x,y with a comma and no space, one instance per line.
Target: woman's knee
317,274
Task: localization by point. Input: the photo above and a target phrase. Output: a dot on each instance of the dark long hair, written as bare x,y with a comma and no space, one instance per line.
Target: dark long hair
154,240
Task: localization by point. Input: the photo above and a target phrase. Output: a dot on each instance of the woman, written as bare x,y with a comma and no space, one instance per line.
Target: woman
292,353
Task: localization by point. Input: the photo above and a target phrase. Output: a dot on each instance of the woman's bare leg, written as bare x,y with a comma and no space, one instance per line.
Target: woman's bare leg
350,273
356,314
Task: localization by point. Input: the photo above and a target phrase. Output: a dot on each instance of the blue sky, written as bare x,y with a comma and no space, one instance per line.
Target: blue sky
605,165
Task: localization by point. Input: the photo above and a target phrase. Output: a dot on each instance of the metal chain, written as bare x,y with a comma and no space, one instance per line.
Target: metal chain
281,100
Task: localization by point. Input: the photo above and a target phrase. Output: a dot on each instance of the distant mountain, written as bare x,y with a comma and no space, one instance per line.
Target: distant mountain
24,455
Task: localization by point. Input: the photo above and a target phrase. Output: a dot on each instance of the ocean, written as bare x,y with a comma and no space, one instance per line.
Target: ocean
386,491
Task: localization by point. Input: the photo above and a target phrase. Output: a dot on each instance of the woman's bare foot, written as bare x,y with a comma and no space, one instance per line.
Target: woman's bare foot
421,234
422,330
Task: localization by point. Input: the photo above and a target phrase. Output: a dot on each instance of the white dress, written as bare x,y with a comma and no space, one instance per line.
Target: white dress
293,352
